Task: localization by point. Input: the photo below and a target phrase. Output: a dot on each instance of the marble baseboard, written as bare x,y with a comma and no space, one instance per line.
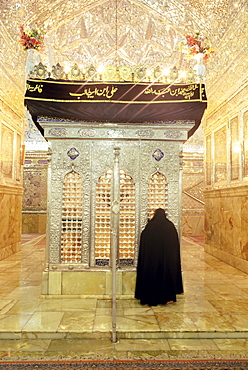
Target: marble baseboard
34,223
193,225
9,250
234,261
10,220
226,220
87,283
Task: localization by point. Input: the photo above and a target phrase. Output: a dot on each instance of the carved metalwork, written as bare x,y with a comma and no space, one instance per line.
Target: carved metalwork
58,132
157,197
40,71
103,219
115,133
87,132
158,154
58,71
145,133
73,153
75,72
96,158
173,134
126,220
71,232
180,122
126,131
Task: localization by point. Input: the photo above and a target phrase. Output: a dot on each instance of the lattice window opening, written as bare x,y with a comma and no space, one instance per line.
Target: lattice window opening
127,220
157,193
71,233
126,235
102,220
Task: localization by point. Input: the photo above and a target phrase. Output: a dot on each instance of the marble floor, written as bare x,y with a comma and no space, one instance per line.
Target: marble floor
210,319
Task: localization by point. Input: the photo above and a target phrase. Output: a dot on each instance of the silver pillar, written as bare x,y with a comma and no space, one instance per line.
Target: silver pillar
180,190
49,182
115,210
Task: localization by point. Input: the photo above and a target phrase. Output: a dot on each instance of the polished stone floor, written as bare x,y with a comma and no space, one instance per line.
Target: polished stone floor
209,319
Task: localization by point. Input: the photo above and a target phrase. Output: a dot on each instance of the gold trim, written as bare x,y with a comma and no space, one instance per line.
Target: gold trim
11,190
23,154
110,83
118,101
241,190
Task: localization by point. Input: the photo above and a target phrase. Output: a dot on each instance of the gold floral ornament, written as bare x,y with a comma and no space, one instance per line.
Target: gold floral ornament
193,45
32,37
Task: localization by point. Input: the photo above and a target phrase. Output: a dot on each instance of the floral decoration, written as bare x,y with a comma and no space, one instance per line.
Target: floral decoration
193,45
32,37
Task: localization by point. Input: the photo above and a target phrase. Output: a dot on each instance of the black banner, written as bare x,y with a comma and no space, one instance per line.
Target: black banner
115,102
50,90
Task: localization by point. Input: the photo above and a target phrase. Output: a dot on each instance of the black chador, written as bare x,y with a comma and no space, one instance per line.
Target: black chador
159,277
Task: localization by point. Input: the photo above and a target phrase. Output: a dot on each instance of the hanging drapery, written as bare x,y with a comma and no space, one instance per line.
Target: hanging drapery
120,102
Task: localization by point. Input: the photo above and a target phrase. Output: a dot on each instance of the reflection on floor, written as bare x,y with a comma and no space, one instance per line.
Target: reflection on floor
210,319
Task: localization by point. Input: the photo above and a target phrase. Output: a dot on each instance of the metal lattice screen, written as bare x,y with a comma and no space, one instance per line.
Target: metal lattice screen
127,220
157,197
71,234
102,221
126,224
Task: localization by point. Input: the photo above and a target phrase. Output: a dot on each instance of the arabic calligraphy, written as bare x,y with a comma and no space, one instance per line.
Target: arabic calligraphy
187,92
107,92
113,92
37,87
203,92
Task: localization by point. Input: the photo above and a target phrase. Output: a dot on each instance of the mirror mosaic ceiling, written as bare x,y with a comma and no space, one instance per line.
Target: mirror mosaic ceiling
138,32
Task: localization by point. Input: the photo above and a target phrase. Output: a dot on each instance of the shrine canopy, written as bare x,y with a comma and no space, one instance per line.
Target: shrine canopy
121,102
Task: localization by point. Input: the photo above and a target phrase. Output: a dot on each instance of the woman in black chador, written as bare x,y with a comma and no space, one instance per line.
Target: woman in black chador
159,276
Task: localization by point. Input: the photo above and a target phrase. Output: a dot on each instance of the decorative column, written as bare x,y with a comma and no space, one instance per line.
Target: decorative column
115,210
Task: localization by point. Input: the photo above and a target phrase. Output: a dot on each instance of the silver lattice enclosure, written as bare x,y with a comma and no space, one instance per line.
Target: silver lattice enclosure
80,203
